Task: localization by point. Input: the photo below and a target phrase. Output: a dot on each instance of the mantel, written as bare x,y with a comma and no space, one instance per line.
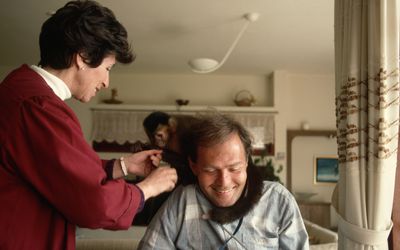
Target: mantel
189,108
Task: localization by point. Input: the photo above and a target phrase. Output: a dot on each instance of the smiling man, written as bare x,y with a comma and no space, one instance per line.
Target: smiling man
230,206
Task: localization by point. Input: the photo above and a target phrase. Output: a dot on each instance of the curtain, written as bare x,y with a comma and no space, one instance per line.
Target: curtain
123,126
394,239
367,111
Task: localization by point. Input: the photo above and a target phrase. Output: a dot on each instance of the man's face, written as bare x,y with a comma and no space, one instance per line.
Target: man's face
221,171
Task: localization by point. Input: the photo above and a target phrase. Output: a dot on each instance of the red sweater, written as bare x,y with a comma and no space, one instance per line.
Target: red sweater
50,178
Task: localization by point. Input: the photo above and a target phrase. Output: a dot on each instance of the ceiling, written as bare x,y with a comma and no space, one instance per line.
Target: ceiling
292,35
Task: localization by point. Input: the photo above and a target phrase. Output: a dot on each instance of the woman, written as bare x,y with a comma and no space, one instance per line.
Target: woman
50,178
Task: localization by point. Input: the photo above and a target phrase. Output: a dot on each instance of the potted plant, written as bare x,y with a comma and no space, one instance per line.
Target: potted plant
267,168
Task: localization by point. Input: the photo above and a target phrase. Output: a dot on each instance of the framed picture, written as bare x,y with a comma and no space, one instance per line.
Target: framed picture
326,169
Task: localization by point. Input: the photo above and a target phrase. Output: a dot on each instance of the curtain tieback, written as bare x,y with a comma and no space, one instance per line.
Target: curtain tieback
363,235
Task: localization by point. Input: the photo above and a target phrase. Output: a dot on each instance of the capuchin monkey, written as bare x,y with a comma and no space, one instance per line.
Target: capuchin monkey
166,132
160,127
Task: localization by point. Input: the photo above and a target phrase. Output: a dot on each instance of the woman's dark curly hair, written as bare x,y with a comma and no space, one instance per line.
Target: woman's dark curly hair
85,28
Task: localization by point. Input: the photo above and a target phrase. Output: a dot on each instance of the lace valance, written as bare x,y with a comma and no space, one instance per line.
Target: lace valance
123,126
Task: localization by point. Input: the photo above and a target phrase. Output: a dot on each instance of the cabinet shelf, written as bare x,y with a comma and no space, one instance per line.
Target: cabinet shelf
189,108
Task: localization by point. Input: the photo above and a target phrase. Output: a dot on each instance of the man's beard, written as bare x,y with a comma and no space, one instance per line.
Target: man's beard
249,198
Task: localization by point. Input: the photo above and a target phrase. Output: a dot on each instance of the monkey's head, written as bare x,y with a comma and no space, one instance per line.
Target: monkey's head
159,127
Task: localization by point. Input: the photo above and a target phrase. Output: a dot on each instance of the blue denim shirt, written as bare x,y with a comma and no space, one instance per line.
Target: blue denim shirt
182,223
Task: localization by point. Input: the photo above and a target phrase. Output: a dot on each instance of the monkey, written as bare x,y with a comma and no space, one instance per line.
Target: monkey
166,131
158,127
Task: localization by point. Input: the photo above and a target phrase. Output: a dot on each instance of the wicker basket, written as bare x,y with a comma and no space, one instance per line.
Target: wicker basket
244,98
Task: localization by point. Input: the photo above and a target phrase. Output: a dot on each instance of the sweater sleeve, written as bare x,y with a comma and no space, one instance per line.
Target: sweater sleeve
53,156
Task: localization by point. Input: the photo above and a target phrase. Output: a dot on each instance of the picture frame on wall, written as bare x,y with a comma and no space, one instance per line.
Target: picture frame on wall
326,169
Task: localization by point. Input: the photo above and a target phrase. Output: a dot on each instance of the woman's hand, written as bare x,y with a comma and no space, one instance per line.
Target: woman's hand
162,179
143,163
157,179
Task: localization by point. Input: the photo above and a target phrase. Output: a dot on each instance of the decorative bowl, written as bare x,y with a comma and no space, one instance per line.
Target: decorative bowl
244,98
182,102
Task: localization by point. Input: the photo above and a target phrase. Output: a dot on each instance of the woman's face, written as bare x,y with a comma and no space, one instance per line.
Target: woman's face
91,80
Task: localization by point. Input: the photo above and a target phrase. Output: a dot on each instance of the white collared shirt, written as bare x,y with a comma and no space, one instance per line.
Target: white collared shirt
56,84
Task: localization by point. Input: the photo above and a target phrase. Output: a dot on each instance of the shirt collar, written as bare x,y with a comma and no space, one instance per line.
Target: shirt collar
56,84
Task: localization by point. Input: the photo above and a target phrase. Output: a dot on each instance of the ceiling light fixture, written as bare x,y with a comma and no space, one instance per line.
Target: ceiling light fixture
208,65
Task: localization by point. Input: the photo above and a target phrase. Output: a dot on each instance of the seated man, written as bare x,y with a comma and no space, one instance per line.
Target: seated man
229,207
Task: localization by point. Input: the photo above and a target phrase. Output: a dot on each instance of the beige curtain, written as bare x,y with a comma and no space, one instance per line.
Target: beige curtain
367,106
